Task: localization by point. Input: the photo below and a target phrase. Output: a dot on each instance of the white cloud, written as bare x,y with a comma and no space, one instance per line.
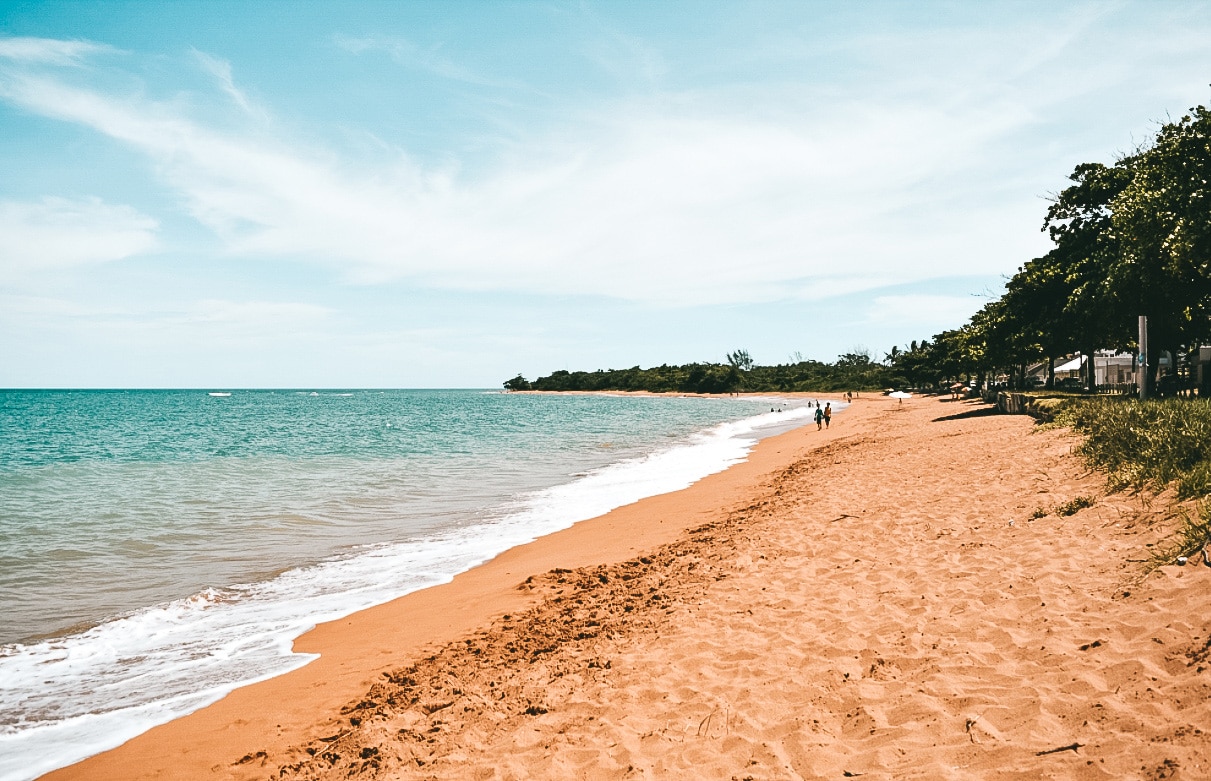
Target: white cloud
48,51
922,311
56,233
210,326
722,195
430,59
221,70
254,314
693,207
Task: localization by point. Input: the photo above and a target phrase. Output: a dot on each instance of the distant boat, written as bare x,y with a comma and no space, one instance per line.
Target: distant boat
218,393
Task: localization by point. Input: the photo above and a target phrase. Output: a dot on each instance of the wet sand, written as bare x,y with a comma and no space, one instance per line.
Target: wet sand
876,599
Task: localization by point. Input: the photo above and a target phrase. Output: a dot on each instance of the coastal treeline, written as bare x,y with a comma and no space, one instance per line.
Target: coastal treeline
1129,238
852,371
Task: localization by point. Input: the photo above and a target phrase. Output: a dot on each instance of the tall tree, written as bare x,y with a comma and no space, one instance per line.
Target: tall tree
1162,223
1080,222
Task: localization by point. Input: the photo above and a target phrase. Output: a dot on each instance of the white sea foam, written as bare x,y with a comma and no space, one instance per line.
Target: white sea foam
68,698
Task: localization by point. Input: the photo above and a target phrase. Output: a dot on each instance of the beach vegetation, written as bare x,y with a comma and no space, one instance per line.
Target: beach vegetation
1064,509
1153,445
853,371
1073,506
1150,444
1192,537
741,360
1130,238
518,383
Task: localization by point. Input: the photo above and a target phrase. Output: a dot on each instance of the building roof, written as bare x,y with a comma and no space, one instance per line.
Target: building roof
1071,366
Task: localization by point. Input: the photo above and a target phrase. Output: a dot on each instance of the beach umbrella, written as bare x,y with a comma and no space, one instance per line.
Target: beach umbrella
900,395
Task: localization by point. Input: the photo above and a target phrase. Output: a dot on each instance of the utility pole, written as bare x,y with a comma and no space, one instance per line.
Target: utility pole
1143,356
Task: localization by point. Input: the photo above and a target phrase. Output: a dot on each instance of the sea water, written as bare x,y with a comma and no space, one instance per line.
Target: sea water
160,548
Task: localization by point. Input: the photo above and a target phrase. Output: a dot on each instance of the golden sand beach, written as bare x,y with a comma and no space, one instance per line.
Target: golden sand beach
881,599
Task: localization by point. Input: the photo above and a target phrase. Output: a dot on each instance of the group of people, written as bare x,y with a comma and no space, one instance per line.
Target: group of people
823,416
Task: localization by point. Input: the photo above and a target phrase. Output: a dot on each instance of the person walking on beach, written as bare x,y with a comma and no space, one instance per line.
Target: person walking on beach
828,413
819,418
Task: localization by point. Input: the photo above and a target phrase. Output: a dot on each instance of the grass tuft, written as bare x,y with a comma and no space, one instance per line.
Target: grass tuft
1146,444
1152,445
1073,506
1190,540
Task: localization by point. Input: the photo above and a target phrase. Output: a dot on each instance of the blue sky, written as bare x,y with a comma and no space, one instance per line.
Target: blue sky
408,194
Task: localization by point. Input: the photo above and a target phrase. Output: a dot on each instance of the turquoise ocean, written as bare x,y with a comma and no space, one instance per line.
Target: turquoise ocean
160,548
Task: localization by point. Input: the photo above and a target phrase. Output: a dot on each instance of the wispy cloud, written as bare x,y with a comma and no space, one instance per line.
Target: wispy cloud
56,233
429,59
728,194
922,312
221,70
207,322
254,314
49,51
637,204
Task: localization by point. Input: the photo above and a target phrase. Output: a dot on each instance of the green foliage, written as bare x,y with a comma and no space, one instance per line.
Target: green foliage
518,383
1132,238
741,360
853,371
1191,538
1153,443
1194,535
1064,509
1073,506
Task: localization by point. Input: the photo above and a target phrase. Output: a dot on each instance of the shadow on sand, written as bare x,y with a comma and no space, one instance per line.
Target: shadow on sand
978,412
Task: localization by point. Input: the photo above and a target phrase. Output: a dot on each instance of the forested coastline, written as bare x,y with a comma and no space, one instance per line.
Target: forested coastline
1130,239
853,371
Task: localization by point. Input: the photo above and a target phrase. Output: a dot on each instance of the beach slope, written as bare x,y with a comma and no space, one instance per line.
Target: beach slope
895,597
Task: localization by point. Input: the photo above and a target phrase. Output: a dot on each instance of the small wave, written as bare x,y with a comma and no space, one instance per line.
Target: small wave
91,691
218,393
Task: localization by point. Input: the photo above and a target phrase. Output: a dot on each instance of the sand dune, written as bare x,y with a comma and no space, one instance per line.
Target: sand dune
877,600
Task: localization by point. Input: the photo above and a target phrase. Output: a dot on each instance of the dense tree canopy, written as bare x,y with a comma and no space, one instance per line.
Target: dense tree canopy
1131,239
853,371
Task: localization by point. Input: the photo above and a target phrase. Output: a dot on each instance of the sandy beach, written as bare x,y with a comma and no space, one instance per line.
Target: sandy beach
893,597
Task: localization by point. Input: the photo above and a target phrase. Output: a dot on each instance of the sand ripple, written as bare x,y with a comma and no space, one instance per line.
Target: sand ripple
887,607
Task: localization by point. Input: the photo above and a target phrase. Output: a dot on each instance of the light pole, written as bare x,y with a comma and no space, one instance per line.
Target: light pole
1143,375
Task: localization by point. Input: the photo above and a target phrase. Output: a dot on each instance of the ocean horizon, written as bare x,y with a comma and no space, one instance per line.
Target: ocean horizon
159,548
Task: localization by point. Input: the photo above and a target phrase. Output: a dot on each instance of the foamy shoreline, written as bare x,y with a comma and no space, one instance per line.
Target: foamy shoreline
591,495
881,598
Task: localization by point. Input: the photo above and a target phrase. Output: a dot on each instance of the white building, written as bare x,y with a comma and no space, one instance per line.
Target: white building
1116,369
